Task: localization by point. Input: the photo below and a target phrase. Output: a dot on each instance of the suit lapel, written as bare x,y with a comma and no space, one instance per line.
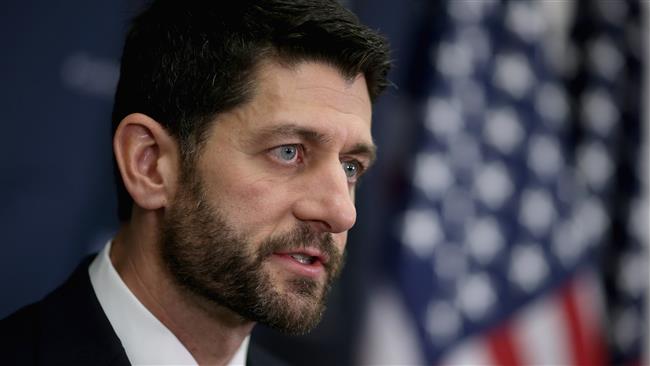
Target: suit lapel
77,327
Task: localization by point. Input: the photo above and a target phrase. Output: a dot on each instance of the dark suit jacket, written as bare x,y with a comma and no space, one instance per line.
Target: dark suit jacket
69,327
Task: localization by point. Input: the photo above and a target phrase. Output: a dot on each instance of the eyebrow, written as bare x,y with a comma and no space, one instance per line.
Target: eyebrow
291,130
369,151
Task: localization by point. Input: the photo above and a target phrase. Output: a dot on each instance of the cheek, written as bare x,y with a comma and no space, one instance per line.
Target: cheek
259,203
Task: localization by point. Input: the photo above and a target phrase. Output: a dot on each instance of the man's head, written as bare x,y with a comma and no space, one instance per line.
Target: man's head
243,127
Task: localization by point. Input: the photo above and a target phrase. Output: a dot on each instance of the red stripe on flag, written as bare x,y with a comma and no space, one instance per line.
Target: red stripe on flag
502,346
600,351
587,346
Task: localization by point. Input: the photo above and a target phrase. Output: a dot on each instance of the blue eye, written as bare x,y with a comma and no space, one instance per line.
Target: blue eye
351,168
286,152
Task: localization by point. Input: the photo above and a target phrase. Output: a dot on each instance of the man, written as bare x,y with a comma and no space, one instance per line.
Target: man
240,132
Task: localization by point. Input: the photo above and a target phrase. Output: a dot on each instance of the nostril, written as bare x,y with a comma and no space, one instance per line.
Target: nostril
321,226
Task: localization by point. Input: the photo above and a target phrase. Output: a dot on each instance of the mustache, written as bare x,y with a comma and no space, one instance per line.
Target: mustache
304,237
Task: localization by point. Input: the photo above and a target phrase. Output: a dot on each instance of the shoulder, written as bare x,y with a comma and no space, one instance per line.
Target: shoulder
66,327
18,333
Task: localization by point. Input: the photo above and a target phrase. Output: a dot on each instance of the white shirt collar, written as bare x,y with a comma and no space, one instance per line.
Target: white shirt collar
144,338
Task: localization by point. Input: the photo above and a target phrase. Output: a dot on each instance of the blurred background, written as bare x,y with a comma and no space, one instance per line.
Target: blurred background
505,223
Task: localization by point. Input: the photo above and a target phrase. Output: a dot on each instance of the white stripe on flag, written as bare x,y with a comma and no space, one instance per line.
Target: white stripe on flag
388,335
472,352
541,333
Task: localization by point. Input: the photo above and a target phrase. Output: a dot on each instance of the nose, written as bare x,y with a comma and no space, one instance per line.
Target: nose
327,203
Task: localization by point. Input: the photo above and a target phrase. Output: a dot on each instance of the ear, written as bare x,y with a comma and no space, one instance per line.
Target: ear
147,157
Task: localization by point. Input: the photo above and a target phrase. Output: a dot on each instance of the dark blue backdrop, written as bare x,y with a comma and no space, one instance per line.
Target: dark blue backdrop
59,69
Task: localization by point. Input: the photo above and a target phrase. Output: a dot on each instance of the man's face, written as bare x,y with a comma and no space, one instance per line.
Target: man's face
259,224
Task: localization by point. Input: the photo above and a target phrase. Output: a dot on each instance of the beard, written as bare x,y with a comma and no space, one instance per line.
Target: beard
217,262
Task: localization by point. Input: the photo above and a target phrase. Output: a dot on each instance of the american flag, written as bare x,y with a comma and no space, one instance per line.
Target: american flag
524,237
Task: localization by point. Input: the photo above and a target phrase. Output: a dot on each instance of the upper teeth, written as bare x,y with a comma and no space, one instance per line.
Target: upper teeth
304,259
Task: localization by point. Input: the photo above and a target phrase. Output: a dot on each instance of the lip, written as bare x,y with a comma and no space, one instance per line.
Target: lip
312,270
312,252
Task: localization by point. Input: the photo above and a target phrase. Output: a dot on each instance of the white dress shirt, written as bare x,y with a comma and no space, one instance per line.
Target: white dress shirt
144,338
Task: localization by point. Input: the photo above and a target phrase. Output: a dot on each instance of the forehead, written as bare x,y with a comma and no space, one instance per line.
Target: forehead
309,94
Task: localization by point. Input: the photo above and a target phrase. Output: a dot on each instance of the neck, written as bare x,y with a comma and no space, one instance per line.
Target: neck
211,333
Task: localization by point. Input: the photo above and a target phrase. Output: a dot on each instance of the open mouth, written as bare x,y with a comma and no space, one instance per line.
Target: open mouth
303,258
303,262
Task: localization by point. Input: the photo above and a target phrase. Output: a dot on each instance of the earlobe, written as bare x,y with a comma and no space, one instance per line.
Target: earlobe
147,157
